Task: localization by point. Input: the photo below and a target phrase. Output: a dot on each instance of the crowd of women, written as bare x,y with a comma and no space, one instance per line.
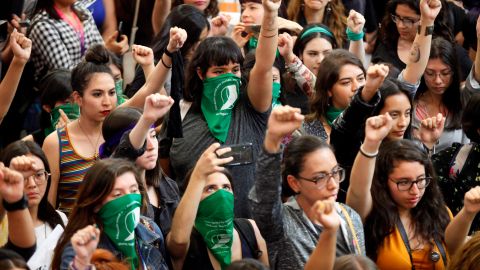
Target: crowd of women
271,143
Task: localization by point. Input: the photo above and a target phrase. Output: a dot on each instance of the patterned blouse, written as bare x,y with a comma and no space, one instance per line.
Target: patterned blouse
56,44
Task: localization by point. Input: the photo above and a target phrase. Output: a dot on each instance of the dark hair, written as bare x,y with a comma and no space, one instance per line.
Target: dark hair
354,262
279,63
11,260
46,212
247,264
388,31
294,158
114,126
183,186
301,43
96,186
47,5
328,75
96,60
186,17
471,118
445,52
211,10
429,217
212,51
55,86
468,256
392,87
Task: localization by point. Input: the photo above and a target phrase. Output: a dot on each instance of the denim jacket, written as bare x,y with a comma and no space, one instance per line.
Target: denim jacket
150,242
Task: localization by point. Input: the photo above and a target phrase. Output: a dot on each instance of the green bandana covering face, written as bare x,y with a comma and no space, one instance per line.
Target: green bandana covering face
70,109
119,90
276,94
120,218
220,94
332,114
214,222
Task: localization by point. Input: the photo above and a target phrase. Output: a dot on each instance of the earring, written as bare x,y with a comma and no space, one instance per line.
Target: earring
329,8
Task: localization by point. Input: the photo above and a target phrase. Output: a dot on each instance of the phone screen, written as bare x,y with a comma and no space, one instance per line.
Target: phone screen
242,154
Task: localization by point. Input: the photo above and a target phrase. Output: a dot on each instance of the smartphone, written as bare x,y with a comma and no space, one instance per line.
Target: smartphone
242,154
253,28
120,31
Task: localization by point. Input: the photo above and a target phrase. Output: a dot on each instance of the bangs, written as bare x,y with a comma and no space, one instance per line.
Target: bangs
219,51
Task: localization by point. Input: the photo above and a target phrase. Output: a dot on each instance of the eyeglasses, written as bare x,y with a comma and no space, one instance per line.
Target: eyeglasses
432,75
321,180
406,185
408,22
39,177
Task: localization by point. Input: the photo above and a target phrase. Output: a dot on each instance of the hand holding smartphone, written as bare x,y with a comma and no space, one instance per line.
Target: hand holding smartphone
252,29
120,31
242,154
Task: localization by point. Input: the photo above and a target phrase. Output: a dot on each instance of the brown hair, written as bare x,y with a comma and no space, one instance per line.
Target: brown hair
105,260
467,257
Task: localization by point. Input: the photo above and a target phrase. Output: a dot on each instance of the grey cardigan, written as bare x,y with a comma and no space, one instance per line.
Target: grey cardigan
291,237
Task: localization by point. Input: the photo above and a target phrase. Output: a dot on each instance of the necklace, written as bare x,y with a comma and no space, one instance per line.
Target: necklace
95,146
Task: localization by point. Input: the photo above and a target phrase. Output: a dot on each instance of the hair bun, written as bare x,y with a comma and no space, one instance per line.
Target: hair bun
97,54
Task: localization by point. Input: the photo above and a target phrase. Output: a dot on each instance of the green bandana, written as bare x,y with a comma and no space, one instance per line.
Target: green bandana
214,222
120,218
252,44
332,114
219,96
70,109
121,98
276,94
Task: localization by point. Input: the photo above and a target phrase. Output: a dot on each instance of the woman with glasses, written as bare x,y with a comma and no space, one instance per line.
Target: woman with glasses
440,91
308,173
394,189
400,25
26,154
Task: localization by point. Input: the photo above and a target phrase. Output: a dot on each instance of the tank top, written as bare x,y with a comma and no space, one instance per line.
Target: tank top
73,168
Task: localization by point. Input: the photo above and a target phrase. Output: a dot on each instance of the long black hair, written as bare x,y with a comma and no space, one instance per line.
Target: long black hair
46,212
429,217
445,51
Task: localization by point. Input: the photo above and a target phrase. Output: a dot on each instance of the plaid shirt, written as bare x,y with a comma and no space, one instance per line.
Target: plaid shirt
55,44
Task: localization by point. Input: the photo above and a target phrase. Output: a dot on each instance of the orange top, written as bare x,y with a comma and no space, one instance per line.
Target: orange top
393,254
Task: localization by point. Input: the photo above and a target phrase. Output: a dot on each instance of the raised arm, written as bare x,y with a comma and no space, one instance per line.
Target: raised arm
265,196
157,78
420,51
355,24
156,106
323,256
261,79
178,240
144,57
161,9
457,231
358,194
51,148
303,76
21,232
21,48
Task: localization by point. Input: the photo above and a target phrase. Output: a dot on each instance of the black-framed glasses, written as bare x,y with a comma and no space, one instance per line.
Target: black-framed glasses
406,185
321,180
408,22
40,177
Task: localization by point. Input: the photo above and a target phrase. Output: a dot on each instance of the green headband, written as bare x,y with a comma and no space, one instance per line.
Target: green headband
317,29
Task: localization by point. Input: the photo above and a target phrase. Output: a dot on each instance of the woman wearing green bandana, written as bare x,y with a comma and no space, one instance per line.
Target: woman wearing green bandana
224,108
203,234
111,196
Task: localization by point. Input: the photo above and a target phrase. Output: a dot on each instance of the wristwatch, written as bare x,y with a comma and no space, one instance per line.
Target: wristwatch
18,205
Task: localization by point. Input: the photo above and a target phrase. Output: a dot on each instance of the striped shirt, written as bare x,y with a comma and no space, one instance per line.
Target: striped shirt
73,168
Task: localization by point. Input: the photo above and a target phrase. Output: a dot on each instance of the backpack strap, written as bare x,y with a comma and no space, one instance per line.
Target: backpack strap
247,233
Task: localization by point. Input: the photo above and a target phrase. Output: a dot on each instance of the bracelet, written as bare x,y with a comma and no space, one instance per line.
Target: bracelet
366,154
163,63
18,205
269,36
428,30
354,36
168,53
